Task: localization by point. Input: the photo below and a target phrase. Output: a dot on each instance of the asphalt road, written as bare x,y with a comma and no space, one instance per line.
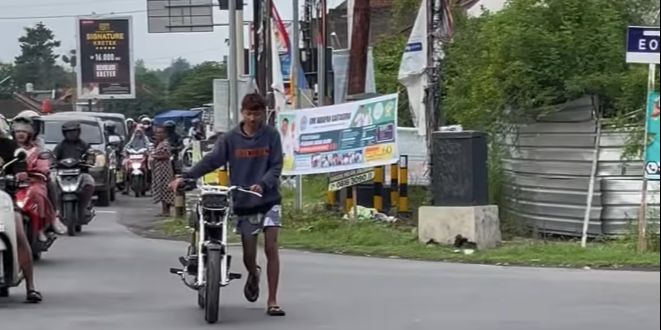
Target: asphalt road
110,278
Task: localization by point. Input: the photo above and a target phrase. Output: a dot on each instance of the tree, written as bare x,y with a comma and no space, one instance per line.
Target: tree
150,94
535,53
387,58
36,64
196,87
6,81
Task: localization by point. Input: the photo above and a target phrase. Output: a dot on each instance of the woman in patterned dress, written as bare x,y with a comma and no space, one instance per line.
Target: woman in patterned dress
162,171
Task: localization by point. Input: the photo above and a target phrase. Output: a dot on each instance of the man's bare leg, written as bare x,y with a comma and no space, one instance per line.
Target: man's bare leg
273,268
25,260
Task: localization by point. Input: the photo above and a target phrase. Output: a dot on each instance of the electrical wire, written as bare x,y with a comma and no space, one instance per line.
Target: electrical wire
6,18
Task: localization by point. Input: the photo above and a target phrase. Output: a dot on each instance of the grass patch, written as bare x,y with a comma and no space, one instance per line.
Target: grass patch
317,230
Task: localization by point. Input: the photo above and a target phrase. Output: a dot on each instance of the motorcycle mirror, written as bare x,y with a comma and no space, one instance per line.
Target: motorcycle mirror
20,154
46,155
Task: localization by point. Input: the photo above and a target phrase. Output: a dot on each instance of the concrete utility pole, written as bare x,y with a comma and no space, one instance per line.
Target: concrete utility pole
233,65
360,42
321,54
295,54
433,93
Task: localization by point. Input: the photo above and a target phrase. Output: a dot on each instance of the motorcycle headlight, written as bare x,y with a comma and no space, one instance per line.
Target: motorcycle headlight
20,203
135,166
6,204
100,160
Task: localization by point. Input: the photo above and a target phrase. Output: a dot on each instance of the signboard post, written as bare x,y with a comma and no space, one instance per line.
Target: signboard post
643,47
105,68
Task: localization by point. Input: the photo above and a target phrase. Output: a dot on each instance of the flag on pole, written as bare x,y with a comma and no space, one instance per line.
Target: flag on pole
298,81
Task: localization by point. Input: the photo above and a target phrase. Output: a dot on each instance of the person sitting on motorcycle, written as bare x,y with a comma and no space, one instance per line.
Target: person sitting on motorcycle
38,172
73,147
147,127
7,149
130,125
196,131
138,141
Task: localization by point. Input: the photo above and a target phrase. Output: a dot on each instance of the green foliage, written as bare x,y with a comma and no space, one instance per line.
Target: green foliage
7,87
196,87
37,62
538,53
150,94
387,58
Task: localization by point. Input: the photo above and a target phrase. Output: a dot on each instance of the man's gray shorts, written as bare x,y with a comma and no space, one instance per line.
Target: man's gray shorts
250,225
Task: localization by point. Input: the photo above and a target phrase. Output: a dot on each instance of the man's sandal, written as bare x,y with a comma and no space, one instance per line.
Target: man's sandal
33,297
251,289
275,311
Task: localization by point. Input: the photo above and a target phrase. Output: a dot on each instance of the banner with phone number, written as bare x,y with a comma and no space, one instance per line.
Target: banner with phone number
652,166
340,137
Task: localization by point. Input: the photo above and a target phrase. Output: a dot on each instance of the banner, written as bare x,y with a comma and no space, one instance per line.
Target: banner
412,70
340,137
652,166
105,58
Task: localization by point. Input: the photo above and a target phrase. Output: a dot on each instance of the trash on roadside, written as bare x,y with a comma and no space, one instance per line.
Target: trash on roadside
365,213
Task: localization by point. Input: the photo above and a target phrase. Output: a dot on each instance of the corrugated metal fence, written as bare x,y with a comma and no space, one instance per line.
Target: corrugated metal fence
548,171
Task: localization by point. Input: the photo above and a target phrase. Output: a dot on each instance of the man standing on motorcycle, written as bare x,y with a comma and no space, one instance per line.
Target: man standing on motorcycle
254,152
38,173
7,149
73,147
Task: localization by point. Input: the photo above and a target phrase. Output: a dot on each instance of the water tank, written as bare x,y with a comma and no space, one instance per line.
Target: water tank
459,169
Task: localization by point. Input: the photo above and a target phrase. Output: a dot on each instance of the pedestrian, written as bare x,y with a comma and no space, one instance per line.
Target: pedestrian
254,152
162,171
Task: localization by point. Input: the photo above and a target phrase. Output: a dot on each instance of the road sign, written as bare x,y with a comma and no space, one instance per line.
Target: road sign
350,178
643,45
173,16
105,68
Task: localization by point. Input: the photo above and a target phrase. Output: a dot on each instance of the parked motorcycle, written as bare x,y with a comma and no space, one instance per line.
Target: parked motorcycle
69,180
207,262
137,171
30,212
10,270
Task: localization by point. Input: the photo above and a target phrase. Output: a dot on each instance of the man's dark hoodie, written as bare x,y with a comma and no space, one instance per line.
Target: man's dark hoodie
252,160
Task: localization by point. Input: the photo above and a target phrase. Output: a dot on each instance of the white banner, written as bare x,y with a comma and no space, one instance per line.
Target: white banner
340,137
412,69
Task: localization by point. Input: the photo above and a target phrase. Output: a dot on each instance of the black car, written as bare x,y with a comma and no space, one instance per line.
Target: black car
93,133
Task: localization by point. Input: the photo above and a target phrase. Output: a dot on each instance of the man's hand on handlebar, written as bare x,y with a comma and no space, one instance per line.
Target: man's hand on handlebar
257,188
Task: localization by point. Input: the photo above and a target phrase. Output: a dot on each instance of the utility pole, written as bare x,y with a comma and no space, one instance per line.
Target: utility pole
232,65
360,35
321,54
293,74
433,93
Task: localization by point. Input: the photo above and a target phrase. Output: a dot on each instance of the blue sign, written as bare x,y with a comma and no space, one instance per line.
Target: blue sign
643,45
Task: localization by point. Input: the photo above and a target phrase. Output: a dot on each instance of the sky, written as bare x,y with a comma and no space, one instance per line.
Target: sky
157,50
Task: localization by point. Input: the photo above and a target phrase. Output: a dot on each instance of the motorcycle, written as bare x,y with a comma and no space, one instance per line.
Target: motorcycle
30,212
206,266
10,273
137,171
69,180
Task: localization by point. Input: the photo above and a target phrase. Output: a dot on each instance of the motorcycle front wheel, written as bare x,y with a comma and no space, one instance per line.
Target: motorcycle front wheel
212,287
70,211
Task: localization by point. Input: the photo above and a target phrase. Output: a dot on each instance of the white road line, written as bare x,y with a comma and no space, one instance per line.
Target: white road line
105,212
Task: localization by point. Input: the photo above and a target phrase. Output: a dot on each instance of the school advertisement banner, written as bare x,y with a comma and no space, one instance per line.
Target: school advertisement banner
340,137
652,166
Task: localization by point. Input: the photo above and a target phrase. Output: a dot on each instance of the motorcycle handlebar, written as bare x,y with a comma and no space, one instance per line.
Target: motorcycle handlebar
190,184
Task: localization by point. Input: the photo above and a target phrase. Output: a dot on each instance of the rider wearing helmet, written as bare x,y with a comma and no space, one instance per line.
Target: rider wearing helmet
74,147
196,131
35,118
130,125
147,127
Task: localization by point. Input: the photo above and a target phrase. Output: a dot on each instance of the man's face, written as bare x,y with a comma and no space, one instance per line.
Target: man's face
71,135
284,127
160,134
252,118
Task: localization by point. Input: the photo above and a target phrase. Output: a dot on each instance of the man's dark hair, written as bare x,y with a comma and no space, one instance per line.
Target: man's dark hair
253,102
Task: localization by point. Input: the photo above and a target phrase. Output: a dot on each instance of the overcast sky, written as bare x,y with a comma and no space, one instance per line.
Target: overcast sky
157,50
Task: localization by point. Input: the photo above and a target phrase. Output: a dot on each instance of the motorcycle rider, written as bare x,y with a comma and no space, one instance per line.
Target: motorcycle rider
7,149
147,127
138,141
73,147
130,125
23,130
196,131
176,144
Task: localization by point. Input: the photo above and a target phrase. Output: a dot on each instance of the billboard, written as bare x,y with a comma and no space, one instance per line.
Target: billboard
105,68
652,166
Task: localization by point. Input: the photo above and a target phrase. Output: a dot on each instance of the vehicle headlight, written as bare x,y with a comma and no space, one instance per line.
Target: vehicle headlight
6,204
100,160
136,166
20,203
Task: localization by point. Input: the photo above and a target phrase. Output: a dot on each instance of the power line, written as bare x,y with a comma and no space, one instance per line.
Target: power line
55,4
7,18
